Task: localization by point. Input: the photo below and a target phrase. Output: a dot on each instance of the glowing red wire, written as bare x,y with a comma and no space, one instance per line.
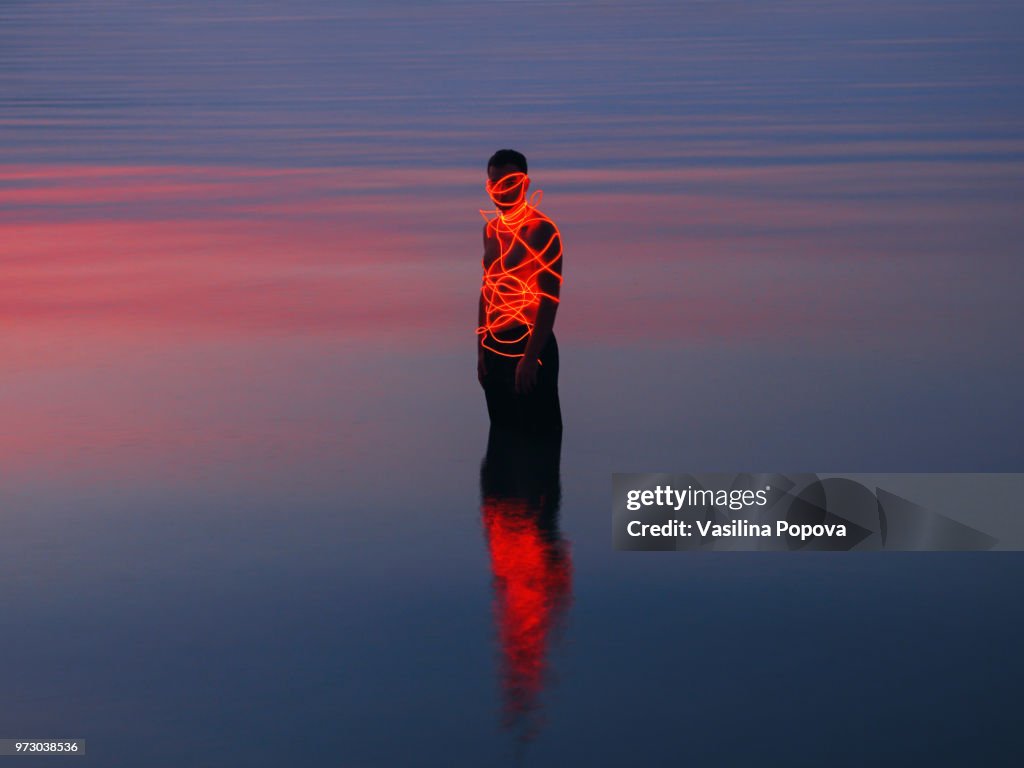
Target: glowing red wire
511,287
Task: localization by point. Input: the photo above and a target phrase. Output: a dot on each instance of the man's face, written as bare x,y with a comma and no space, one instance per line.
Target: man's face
506,185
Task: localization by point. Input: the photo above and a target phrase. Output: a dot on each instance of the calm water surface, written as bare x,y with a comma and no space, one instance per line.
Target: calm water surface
250,511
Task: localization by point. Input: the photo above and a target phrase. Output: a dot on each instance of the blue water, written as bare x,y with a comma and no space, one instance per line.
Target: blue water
241,488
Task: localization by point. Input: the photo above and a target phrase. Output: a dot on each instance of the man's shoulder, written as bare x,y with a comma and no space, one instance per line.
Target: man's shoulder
490,231
540,221
541,227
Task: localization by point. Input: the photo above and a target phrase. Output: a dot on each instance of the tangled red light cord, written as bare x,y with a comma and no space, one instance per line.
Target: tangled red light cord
512,292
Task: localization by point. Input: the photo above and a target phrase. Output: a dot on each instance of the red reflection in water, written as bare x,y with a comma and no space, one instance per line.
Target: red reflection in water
530,563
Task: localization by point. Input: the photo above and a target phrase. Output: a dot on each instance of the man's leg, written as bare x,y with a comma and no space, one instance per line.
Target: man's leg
540,412
499,389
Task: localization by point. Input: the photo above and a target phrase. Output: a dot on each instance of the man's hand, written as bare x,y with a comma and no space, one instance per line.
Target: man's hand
526,375
481,366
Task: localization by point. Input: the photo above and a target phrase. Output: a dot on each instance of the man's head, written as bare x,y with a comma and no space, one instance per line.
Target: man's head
507,181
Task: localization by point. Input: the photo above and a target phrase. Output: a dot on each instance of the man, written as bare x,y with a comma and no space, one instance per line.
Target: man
517,355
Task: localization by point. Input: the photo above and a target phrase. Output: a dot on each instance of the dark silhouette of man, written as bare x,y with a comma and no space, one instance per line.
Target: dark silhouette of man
517,355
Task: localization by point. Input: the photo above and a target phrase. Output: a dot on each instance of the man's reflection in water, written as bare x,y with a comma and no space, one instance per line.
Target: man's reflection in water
521,493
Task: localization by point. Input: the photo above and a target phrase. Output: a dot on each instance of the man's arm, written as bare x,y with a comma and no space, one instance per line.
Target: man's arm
549,282
481,321
545,319
481,365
